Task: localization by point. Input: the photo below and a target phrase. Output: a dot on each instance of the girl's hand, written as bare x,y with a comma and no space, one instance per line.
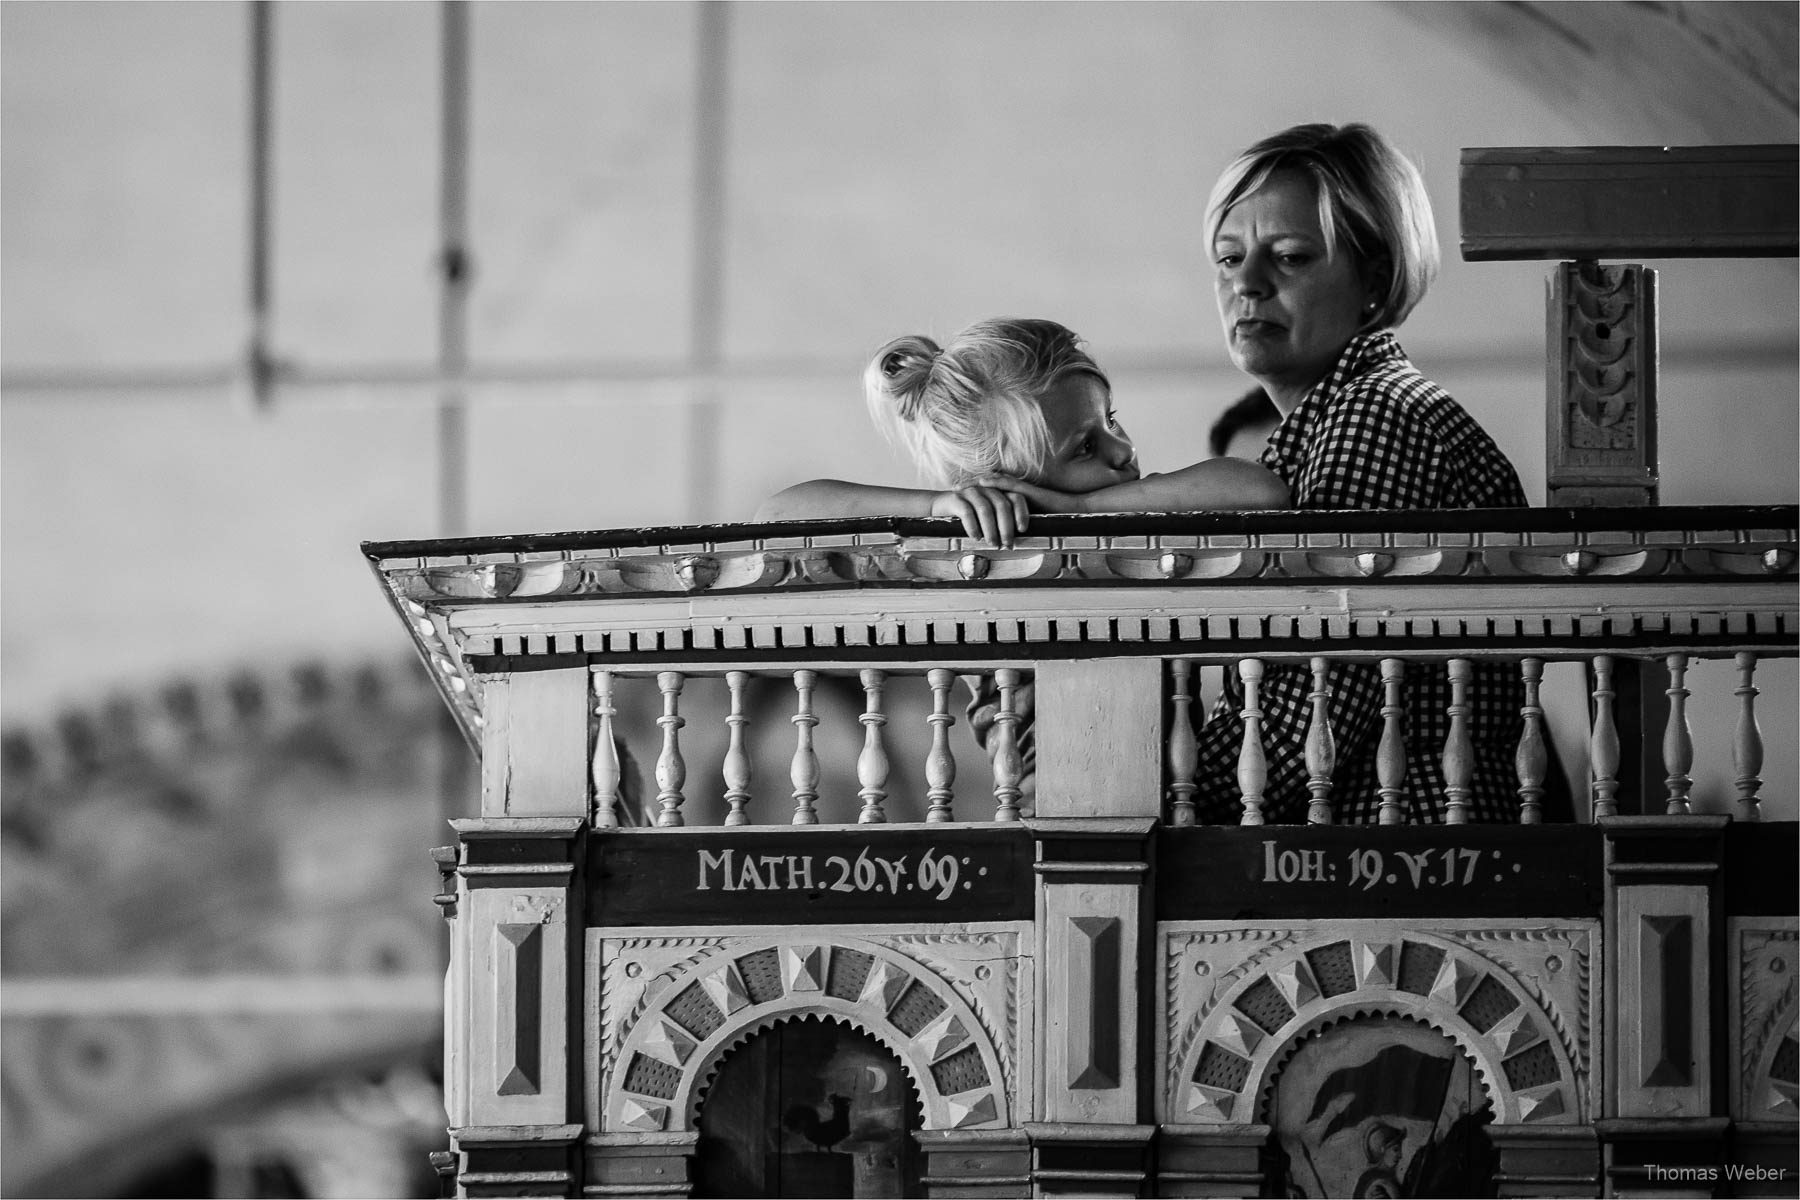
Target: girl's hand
993,514
1042,499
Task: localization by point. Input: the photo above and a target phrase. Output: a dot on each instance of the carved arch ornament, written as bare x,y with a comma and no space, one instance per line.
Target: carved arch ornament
1239,1001
1766,1028
665,1058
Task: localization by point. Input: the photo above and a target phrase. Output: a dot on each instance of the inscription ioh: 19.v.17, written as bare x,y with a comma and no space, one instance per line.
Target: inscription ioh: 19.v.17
1367,868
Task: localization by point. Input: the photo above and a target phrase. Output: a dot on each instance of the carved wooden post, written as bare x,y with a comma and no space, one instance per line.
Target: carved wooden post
1678,743
1099,737
872,763
1009,768
671,769
1184,747
1390,755
1663,928
1533,760
1253,766
1321,748
1459,750
940,763
805,771
510,1028
606,754
1746,742
737,758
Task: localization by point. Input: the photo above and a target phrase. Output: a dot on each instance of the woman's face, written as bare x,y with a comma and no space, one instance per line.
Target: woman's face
1288,310
1089,449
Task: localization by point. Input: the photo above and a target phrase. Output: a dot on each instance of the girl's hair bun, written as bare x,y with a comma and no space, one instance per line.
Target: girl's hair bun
901,371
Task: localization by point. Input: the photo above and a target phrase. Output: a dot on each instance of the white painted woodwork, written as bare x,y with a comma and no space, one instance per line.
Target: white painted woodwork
1083,1078
872,763
1009,767
1459,748
534,753
1546,617
805,770
1746,742
1533,759
1253,765
1678,742
1321,747
1184,745
940,762
671,768
514,1003
1603,742
1651,968
736,765
606,754
1390,753
1099,737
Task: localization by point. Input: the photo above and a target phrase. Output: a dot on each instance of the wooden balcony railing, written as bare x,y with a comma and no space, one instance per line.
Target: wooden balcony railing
808,673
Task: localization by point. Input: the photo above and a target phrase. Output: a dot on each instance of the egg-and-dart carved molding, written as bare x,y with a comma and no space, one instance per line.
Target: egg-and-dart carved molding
600,565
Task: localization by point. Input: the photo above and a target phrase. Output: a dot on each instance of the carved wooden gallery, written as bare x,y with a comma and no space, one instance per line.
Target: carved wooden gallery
895,964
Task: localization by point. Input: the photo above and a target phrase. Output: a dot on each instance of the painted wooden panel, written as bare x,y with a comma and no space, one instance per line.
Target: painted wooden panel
929,874
514,1049
1099,738
1298,871
534,758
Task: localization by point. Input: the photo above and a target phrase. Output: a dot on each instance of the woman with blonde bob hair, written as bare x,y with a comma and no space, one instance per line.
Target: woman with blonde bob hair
1371,199
1322,242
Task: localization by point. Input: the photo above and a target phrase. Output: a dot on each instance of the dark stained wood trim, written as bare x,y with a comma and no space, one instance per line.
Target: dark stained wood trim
1616,202
1472,520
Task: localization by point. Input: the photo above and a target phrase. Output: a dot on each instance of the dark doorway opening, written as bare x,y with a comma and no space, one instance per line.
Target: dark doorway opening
809,1107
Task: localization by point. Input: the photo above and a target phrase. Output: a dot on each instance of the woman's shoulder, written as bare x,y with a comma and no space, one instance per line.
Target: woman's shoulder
1399,392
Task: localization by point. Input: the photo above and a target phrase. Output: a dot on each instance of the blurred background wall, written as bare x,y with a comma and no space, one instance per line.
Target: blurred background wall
686,227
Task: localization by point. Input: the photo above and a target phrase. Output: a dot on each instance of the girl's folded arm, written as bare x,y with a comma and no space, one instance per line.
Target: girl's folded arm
840,498
993,515
1228,483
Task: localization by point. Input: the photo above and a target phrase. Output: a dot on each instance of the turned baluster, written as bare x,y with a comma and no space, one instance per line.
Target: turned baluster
1390,754
1678,742
1603,742
940,764
737,758
1533,759
805,771
872,763
606,770
671,771
1253,766
1184,747
1746,743
1321,747
1459,750
1009,767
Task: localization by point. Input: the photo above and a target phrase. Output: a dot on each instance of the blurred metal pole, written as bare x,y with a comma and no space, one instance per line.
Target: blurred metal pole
455,271
454,775
711,62
256,367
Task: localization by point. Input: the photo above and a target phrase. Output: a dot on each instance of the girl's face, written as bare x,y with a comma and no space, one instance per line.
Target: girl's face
1288,310
1089,449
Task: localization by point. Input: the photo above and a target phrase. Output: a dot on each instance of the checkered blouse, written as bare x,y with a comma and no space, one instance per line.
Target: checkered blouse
1375,434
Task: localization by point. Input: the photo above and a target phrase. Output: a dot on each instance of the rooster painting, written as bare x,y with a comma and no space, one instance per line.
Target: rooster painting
803,1119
